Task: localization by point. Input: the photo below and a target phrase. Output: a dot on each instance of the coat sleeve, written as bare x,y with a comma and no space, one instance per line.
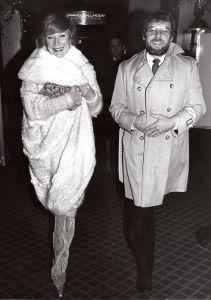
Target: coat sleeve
194,106
96,104
119,108
39,107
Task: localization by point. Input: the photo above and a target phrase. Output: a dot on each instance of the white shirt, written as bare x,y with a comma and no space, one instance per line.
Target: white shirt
150,59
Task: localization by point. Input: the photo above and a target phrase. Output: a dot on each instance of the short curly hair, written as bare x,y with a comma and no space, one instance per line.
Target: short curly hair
159,16
54,23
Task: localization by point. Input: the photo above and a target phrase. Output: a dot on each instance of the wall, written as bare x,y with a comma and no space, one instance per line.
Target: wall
204,66
184,20
143,5
10,35
137,11
10,45
2,148
186,16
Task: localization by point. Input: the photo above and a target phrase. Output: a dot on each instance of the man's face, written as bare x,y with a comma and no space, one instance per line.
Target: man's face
59,43
116,48
158,37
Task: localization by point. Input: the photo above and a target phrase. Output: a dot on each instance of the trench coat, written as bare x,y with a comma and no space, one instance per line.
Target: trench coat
151,167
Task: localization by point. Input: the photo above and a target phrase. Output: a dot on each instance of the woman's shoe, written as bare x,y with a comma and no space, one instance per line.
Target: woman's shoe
60,290
58,280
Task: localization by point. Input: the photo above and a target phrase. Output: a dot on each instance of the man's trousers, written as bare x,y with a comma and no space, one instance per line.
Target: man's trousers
139,230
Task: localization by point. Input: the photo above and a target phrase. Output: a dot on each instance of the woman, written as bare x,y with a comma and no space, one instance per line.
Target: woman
60,94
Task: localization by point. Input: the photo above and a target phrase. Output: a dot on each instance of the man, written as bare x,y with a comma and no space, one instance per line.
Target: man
154,110
117,48
115,54
107,70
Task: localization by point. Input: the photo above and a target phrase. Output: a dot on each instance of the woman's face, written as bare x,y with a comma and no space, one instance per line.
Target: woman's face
58,43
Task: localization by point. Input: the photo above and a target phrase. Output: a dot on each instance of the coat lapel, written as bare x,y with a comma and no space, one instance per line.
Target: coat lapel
163,73
143,74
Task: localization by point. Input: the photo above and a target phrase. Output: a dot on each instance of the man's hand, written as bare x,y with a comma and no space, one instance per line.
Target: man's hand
140,122
163,124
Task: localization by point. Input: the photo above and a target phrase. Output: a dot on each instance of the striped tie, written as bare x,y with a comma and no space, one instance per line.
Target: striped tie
155,65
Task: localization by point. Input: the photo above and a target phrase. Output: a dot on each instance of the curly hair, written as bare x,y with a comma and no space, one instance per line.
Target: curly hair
58,22
159,16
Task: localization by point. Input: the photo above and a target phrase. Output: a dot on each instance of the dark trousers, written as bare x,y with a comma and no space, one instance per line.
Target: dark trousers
139,230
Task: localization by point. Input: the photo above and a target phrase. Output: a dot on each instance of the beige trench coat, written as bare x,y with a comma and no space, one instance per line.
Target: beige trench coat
152,167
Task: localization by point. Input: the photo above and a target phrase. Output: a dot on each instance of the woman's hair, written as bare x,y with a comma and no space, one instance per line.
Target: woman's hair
159,16
54,23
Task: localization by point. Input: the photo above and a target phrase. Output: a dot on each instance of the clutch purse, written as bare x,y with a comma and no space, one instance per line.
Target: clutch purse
53,90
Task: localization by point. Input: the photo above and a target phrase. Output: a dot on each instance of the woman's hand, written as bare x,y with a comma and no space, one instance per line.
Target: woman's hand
87,92
75,96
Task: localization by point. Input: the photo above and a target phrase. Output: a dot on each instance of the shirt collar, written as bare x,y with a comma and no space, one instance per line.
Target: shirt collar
150,59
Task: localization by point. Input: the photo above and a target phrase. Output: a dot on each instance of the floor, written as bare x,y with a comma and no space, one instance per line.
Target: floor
100,264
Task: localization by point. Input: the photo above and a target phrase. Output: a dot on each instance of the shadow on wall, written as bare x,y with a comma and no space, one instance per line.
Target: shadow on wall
134,31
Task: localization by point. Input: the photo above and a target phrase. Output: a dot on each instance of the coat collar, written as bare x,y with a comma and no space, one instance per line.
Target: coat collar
143,74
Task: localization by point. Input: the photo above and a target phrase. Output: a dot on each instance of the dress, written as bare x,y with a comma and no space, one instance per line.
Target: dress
58,140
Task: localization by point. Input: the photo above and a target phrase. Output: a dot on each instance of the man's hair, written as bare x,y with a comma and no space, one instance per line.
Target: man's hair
58,22
117,37
159,16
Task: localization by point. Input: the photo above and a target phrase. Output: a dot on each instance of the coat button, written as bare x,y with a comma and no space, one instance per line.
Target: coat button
142,112
139,88
171,85
168,109
167,137
141,137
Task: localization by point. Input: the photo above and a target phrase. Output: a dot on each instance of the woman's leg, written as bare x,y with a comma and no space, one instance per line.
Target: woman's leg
62,237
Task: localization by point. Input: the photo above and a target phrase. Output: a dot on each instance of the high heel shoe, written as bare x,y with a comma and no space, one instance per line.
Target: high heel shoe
58,279
59,283
60,290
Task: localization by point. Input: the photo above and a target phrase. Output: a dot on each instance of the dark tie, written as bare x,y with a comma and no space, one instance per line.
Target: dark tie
155,65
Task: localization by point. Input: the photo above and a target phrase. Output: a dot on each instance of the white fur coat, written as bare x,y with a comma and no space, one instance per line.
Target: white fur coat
61,149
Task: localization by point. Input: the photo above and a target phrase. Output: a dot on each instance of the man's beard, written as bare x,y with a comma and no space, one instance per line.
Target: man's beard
156,51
